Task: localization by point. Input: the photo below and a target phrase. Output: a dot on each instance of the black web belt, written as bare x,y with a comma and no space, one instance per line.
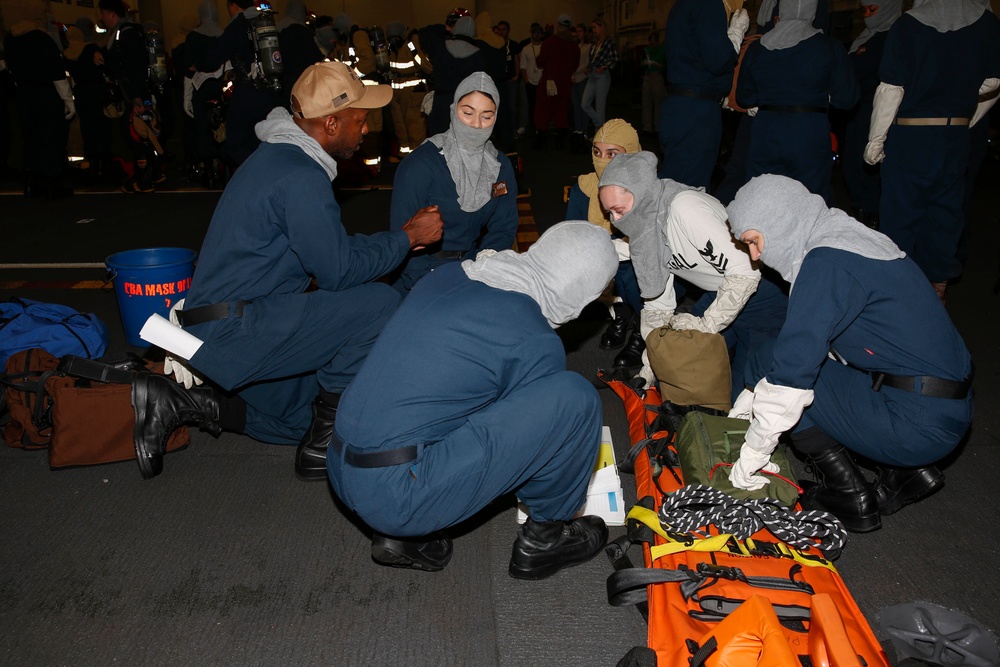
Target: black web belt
215,311
449,254
928,386
383,459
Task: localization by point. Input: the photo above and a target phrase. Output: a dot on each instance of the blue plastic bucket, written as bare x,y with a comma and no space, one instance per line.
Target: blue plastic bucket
147,281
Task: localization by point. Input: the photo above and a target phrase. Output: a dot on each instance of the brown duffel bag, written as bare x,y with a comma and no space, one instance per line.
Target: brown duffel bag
83,412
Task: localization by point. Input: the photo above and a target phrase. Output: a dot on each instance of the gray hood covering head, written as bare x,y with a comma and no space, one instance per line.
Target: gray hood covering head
208,19
882,20
563,271
795,24
947,15
765,12
280,128
793,221
471,158
464,27
295,12
645,225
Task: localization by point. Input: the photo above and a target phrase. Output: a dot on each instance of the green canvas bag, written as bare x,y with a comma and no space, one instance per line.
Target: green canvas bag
705,441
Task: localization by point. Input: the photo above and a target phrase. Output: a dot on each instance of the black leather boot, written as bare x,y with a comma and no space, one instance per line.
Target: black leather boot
843,490
428,556
614,336
631,355
898,487
310,457
542,548
161,406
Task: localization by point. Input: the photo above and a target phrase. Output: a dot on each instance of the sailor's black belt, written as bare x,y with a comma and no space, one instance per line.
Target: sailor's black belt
449,254
791,108
687,92
215,311
950,120
924,385
359,458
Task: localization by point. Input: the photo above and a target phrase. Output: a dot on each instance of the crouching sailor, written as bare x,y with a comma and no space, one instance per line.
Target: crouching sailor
867,362
465,397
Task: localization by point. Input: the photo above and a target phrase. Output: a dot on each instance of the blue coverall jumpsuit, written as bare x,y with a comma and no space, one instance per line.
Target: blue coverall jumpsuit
476,379
923,174
423,179
276,230
879,316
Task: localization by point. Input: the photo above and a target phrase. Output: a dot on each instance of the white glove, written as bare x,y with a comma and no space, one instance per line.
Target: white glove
886,104
986,99
623,250
738,26
752,111
427,103
732,295
689,322
66,93
744,475
182,372
174,366
774,410
741,408
189,96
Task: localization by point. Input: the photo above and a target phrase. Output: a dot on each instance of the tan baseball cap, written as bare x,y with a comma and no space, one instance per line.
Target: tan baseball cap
328,87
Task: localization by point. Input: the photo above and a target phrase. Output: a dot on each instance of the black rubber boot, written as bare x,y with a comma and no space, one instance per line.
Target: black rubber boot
631,355
898,487
843,490
616,333
310,457
428,556
161,406
542,548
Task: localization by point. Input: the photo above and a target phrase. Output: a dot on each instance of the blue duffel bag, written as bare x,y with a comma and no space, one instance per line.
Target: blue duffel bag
59,330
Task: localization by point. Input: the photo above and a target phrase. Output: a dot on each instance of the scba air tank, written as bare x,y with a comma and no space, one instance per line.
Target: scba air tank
265,38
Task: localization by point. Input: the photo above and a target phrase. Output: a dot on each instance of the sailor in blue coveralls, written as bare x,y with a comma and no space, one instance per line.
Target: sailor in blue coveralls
459,171
792,75
864,180
868,359
701,53
275,346
939,58
465,397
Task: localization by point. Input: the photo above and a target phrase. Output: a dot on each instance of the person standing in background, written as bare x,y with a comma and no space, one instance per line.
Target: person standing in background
531,73
43,100
603,58
580,120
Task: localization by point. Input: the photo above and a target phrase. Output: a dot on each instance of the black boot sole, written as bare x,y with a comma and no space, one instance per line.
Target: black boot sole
861,524
902,499
534,574
150,464
311,474
384,554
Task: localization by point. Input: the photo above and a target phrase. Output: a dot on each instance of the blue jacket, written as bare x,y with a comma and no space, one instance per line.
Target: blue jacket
423,179
880,316
699,54
454,347
277,228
